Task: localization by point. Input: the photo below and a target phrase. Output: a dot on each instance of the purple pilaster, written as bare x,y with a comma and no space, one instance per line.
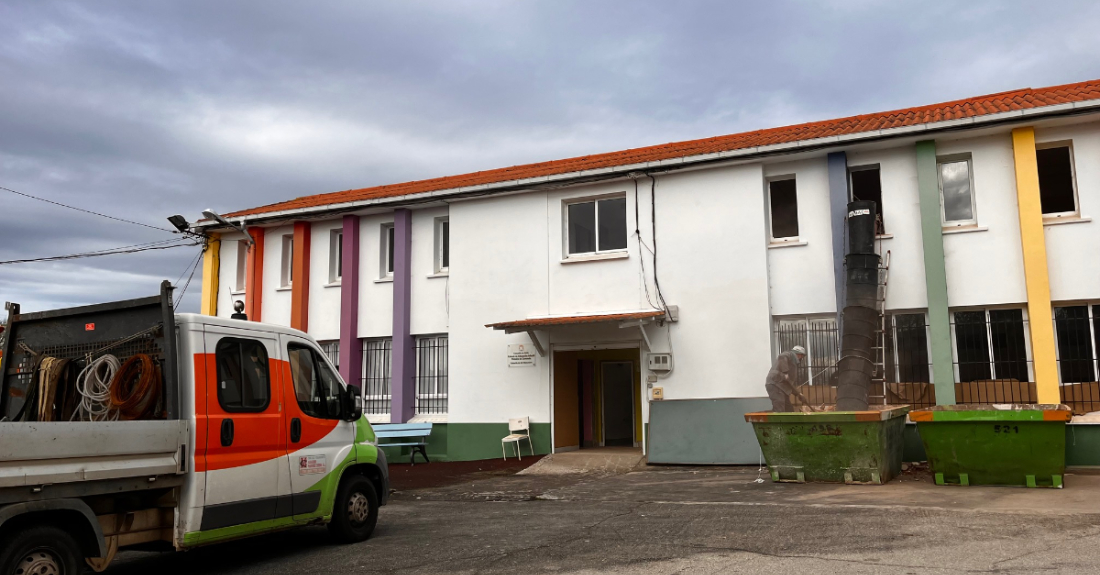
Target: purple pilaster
351,352
403,382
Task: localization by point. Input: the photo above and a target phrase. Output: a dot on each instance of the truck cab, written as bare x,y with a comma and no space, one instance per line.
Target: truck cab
253,431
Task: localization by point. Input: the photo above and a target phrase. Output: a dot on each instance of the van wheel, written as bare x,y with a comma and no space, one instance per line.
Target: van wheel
41,550
355,512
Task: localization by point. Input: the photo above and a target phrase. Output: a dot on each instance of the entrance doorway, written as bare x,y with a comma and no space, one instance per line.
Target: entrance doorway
597,399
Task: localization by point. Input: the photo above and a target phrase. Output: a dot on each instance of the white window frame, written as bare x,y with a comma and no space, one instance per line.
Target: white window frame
809,363
989,341
596,201
286,272
772,239
442,223
335,255
892,314
879,208
1072,178
973,221
241,281
384,262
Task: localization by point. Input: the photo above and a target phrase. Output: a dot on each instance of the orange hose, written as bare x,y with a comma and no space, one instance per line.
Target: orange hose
136,387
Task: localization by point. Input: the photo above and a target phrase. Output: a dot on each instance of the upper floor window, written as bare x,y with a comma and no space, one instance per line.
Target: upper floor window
956,192
242,266
596,226
442,245
783,204
335,256
286,272
1057,186
316,388
387,251
867,186
243,379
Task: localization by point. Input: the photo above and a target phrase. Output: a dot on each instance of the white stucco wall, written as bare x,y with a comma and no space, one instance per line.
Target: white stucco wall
800,277
375,296
324,296
429,290
1072,248
227,274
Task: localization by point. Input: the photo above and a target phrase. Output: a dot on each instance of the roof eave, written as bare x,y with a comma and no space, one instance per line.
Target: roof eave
672,164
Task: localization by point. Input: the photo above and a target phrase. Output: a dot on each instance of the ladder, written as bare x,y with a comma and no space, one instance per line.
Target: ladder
877,394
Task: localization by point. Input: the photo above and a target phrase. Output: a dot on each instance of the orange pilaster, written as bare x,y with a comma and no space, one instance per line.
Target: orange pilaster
299,285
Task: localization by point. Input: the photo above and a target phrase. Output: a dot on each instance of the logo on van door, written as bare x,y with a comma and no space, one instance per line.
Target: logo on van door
311,464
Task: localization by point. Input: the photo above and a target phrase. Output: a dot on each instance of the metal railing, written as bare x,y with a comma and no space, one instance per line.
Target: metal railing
377,364
431,374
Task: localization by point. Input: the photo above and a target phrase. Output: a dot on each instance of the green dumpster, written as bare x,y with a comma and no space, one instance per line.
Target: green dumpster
1001,444
832,446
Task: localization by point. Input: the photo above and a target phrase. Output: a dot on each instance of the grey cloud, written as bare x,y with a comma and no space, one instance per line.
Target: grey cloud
146,109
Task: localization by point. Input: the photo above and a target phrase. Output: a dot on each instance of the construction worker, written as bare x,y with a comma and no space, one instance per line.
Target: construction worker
781,381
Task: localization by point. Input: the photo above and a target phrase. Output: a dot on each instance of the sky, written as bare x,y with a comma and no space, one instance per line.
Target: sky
140,110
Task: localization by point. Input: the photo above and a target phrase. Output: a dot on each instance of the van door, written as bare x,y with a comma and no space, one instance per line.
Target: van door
246,434
319,439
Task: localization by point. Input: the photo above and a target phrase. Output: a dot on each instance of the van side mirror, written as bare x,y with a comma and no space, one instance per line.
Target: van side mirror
353,403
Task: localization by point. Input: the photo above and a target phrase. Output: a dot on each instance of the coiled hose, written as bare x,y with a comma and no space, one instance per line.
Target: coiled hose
94,386
135,389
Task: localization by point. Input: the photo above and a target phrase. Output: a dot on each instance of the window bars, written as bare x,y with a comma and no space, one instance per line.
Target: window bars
1077,335
377,363
331,349
431,374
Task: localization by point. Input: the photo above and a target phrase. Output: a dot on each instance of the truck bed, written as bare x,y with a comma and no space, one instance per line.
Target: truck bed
50,453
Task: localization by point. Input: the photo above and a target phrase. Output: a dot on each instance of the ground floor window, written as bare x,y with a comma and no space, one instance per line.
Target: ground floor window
331,349
431,374
991,345
906,345
1077,330
819,336
377,361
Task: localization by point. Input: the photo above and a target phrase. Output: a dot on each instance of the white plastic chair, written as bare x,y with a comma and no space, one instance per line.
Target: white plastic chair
518,430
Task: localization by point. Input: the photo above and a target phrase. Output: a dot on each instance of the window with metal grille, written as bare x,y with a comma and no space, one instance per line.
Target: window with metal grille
822,342
1077,329
331,349
907,349
377,361
431,374
991,345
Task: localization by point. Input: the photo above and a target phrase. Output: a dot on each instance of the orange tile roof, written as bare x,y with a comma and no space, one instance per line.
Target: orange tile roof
574,320
959,109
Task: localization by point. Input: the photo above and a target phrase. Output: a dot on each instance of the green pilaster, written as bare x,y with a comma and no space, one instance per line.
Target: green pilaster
935,274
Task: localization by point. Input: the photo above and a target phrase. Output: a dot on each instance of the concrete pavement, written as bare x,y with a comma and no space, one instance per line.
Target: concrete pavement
690,520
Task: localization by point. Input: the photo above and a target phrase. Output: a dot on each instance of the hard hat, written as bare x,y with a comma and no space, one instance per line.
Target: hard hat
798,349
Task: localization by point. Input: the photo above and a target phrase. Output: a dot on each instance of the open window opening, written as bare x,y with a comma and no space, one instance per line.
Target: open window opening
783,201
867,186
1057,186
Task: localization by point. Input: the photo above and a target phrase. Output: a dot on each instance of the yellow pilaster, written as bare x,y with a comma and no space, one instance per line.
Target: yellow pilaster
1040,322
211,264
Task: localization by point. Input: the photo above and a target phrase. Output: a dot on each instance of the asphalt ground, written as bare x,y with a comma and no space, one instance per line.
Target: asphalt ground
684,520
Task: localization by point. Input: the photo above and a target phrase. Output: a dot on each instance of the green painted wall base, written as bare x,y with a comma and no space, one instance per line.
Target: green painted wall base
1083,445
471,442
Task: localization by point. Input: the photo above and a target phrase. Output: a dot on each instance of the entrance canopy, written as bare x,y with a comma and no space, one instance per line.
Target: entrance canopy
625,319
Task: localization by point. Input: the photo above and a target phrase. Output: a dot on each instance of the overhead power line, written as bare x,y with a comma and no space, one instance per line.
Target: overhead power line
161,245
87,212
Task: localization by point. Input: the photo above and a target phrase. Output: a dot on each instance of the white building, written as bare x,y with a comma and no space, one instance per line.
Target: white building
719,253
